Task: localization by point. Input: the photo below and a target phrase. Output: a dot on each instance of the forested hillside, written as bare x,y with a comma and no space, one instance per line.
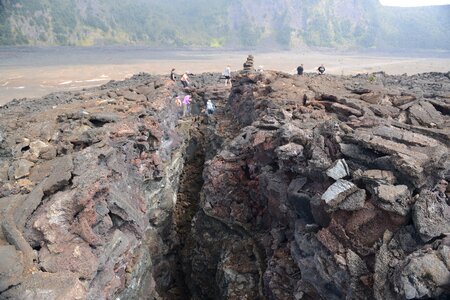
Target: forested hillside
221,23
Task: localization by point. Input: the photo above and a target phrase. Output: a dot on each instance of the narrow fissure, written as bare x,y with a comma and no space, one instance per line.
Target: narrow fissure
188,199
206,135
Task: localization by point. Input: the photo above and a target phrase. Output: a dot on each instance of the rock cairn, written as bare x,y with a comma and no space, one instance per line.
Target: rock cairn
248,65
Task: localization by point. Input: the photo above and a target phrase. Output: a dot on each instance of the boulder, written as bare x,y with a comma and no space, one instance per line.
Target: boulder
424,114
73,257
132,96
422,275
146,90
43,150
399,100
22,168
393,198
373,98
44,286
431,215
267,123
378,177
11,268
291,152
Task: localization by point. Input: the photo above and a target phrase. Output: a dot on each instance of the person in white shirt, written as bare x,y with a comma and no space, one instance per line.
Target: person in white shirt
227,75
185,80
209,107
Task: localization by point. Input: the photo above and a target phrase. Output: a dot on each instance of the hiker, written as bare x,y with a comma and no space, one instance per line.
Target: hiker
321,69
209,107
178,103
186,105
173,76
185,80
300,70
227,75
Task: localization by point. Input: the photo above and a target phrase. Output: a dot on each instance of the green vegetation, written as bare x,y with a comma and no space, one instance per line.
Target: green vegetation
222,23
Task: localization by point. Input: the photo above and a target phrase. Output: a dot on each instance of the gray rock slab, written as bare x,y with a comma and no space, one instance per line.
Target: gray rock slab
11,267
22,168
338,170
379,176
431,215
338,191
45,286
421,275
354,201
393,198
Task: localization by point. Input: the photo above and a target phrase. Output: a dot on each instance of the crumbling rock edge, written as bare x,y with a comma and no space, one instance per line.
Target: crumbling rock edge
310,187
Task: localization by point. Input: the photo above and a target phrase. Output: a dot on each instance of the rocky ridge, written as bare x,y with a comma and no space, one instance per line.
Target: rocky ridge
311,187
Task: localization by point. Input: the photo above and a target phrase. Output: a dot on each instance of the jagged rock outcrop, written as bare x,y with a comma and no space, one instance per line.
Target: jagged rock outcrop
333,175
297,187
88,186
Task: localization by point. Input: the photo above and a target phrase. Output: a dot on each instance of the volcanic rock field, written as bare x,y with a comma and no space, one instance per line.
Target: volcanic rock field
297,187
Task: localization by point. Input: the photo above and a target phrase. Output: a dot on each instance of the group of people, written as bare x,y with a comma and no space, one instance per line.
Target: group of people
184,78
186,102
320,69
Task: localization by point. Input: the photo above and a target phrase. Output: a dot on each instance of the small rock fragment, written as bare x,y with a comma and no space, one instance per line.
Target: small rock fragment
338,170
338,191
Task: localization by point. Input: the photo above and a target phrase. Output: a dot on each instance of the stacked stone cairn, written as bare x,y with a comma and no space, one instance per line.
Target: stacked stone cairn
248,65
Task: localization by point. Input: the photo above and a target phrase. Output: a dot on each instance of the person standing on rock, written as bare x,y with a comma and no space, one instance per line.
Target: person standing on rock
186,105
173,76
321,69
209,107
185,80
227,75
300,70
179,104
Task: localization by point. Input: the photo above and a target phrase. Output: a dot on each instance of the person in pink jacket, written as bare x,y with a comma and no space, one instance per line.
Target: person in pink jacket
186,105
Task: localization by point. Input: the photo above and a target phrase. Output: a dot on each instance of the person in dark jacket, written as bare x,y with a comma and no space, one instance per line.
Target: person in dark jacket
300,70
321,69
173,76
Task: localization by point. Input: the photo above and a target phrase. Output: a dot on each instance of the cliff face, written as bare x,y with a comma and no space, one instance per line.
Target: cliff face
311,187
263,23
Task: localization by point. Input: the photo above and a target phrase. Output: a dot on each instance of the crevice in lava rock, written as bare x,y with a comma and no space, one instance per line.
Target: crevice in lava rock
188,198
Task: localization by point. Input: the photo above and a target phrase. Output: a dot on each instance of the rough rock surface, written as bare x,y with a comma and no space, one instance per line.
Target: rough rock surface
297,187
283,181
